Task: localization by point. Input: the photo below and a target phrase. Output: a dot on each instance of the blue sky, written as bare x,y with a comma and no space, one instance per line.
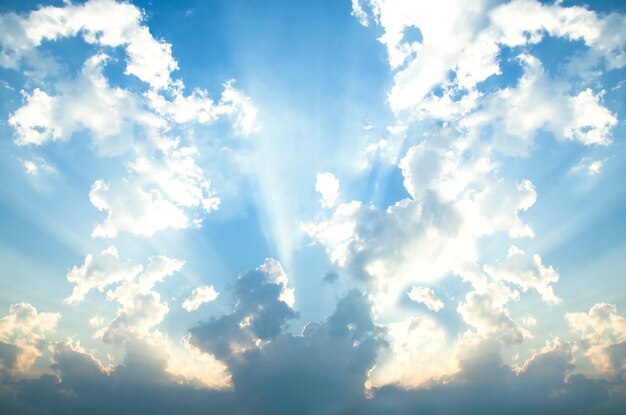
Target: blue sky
324,207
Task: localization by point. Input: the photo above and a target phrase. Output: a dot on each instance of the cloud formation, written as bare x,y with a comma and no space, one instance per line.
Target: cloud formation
199,296
449,300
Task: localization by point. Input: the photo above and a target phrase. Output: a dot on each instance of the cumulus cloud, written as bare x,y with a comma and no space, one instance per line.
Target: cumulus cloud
166,188
538,102
457,198
162,193
99,22
199,296
140,310
325,371
198,107
521,270
98,273
465,39
485,310
86,102
263,306
140,307
22,335
603,334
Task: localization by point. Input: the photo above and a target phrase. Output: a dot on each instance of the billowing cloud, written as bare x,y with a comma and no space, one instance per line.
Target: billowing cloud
22,335
432,315
161,194
99,22
98,273
457,198
166,188
89,103
520,270
263,306
603,334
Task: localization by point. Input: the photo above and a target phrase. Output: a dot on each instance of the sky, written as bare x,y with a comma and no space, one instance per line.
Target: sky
312,207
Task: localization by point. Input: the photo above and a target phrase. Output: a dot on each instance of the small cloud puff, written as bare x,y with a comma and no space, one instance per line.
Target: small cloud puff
426,296
200,296
327,185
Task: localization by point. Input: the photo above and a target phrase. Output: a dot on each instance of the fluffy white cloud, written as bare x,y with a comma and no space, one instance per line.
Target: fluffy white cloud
465,39
456,199
132,209
161,194
25,328
89,103
526,272
603,332
327,185
99,22
426,296
198,107
140,310
166,188
359,13
200,296
140,307
588,166
515,115
98,272
485,311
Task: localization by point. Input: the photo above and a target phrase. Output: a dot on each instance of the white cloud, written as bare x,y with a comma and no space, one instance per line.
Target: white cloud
456,199
603,332
328,187
465,38
134,210
99,22
162,194
515,115
359,13
86,102
589,166
595,167
485,310
426,296
140,311
37,166
198,107
140,307
200,296
526,272
98,272
25,328
166,187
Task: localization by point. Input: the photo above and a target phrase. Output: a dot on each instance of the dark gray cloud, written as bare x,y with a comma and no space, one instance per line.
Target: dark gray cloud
323,371
331,277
